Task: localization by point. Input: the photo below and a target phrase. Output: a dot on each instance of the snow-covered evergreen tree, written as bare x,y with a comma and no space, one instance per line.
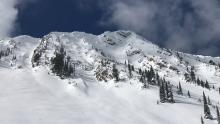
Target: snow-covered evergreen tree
188,93
180,89
162,93
115,73
202,121
207,112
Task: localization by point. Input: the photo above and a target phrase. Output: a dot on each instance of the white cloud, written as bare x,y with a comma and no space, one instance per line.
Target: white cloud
187,25
8,14
132,16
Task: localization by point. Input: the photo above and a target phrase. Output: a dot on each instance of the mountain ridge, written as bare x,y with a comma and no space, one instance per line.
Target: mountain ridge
90,67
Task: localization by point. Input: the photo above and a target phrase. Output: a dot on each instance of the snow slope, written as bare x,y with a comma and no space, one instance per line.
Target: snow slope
31,93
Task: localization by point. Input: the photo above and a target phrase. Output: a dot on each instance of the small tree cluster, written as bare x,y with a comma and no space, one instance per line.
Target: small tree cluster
115,73
207,113
212,62
5,52
102,71
203,84
62,67
130,69
35,58
165,91
143,78
190,77
150,77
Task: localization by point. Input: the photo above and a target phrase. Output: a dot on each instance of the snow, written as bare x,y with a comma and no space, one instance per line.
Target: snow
34,95
40,98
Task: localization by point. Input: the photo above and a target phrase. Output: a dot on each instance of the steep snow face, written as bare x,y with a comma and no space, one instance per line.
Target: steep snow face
89,97
120,46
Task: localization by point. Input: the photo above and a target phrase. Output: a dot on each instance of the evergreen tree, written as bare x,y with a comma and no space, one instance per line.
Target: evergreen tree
166,93
207,85
151,74
58,62
130,70
141,79
115,73
198,82
125,62
188,93
132,67
219,90
157,77
70,70
144,81
167,90
218,115
162,93
204,99
202,122
35,58
171,96
61,67
206,108
149,79
192,74
139,71
180,89
209,101
202,84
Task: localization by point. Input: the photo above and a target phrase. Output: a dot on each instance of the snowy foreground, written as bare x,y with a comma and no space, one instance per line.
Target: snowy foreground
31,94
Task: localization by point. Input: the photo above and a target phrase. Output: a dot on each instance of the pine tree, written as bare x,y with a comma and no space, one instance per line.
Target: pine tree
139,71
209,101
62,67
70,70
162,93
180,89
202,84
218,115
189,94
115,73
207,85
35,58
149,79
144,81
157,77
206,108
167,90
171,96
204,98
219,90
198,82
192,74
202,122
130,70
151,74
132,67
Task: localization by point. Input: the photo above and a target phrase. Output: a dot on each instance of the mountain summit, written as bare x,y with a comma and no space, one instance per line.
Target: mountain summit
115,77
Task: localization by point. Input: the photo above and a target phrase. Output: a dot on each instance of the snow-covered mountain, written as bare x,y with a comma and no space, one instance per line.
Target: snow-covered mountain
112,78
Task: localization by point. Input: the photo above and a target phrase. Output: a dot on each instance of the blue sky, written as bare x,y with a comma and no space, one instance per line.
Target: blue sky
43,16
190,26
